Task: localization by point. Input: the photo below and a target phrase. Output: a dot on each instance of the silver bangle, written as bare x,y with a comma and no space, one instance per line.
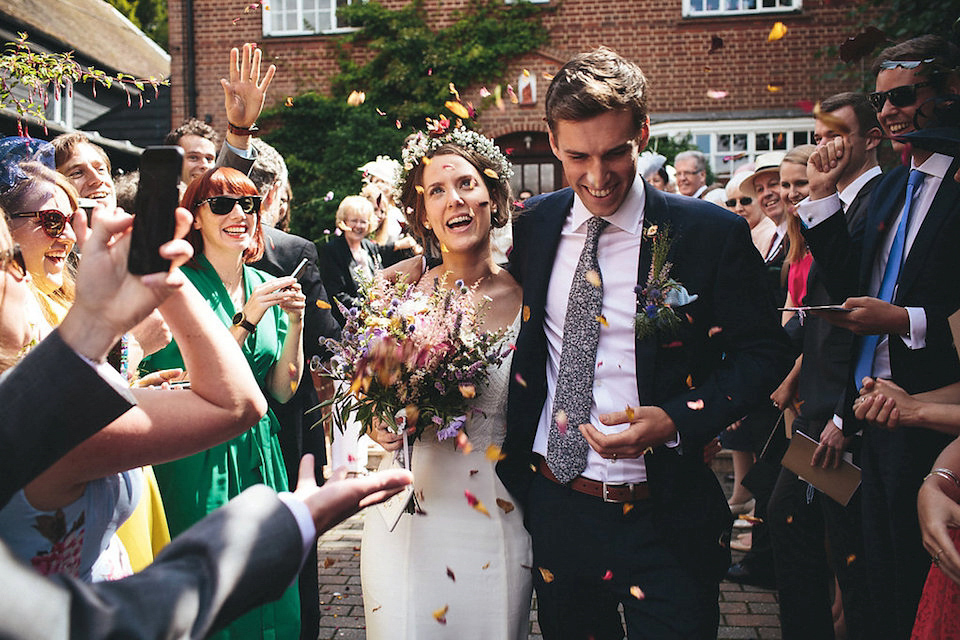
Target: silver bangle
946,474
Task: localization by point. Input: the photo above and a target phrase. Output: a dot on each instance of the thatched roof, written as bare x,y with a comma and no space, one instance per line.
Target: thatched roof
93,29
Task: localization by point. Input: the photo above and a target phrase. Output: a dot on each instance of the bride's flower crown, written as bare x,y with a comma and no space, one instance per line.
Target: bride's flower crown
438,134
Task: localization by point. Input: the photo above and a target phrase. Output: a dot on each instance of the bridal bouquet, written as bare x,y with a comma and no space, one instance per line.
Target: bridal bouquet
411,357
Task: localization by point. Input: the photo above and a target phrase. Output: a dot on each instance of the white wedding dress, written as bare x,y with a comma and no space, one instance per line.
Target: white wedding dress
453,556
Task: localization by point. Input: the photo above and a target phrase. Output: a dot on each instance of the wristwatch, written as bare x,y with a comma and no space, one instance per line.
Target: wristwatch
240,320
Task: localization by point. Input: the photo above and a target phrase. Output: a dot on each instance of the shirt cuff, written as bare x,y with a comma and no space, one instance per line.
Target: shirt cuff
916,337
246,154
838,422
308,530
813,212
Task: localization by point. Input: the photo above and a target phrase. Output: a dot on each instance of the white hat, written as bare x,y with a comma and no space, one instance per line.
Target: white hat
649,163
384,168
766,163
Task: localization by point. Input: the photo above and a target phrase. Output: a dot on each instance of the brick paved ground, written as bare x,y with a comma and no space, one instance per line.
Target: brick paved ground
745,612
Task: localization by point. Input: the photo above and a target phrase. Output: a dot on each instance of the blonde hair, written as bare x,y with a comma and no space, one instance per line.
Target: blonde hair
8,356
354,204
798,246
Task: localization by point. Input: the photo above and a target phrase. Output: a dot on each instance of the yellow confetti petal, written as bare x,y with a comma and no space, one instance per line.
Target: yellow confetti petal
494,454
546,574
468,391
356,98
637,592
593,278
440,615
526,313
288,102
506,505
485,567
453,90
419,188
830,121
651,231
603,321
490,173
777,31
443,248
328,562
630,413
774,88
526,74
426,161
323,304
547,76
457,109
627,507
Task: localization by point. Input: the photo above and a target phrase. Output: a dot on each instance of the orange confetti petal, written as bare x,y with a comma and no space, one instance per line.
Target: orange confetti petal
830,121
468,391
288,102
651,231
293,370
751,519
851,558
328,562
419,188
777,31
593,278
463,443
547,76
603,321
630,413
526,313
695,405
485,567
506,505
690,381
627,507
457,109
637,592
546,574
440,615
714,331
443,248
607,576
451,575
426,161
774,88
475,503
494,454
490,173
323,304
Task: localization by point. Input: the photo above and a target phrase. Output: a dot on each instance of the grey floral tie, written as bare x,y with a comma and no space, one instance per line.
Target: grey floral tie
566,446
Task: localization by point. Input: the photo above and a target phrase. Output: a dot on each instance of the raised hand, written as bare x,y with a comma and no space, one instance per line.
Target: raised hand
244,92
825,166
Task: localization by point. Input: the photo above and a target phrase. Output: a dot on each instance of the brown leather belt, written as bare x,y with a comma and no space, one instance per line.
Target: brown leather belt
631,492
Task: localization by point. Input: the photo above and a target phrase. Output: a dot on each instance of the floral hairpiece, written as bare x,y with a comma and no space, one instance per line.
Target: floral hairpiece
439,134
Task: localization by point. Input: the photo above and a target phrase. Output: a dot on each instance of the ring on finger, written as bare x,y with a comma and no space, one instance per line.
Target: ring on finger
936,558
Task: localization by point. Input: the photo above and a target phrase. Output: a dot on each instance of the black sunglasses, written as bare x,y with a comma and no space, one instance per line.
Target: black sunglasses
898,96
14,256
745,201
222,205
52,221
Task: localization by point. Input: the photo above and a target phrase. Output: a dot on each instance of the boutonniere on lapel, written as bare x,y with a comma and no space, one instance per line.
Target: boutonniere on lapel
658,297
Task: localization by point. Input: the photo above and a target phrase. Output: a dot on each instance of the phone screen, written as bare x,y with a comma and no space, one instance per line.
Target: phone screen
157,198
298,272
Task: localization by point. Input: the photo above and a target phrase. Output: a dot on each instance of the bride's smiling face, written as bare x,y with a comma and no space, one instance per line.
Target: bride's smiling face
456,203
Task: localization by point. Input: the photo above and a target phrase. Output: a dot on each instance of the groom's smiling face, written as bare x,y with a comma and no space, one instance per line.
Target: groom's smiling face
599,157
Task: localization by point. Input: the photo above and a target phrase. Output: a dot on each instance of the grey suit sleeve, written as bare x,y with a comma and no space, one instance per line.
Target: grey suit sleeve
228,158
50,402
238,557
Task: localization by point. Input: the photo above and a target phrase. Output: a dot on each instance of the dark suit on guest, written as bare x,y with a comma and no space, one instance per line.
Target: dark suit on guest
895,462
798,521
733,372
337,267
282,252
236,558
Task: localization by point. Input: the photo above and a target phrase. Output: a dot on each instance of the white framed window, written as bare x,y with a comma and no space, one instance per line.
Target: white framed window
697,8
302,17
59,109
730,144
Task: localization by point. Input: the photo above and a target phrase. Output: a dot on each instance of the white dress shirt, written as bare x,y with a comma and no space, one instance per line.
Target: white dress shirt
615,378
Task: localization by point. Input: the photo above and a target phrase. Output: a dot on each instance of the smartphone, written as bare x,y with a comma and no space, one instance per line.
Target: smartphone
157,198
87,204
298,272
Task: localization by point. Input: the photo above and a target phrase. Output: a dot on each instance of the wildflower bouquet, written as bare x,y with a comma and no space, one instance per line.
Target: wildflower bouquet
661,293
412,358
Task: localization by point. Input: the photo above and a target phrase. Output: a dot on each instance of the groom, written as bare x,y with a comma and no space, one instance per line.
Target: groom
607,421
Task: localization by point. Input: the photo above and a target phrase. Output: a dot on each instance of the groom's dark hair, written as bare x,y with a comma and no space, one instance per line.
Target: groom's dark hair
594,83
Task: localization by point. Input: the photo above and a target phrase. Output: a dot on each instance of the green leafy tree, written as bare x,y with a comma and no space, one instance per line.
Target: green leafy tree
407,77
150,16
670,146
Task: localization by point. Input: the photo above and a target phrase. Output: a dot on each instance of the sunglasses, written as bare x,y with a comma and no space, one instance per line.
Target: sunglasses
745,201
15,257
222,205
898,96
52,221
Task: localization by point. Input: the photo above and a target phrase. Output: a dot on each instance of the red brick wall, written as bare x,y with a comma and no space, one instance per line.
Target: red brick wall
671,50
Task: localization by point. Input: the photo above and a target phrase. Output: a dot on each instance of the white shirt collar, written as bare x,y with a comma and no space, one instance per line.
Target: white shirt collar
628,216
850,194
936,165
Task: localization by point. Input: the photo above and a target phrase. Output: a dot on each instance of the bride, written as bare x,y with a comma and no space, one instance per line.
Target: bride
452,571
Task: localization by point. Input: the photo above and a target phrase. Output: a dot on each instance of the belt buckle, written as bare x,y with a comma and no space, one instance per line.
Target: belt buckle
603,494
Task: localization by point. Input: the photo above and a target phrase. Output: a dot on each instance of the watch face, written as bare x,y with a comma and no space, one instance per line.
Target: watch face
238,317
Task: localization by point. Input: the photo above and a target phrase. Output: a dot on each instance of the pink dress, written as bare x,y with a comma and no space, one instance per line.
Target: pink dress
938,616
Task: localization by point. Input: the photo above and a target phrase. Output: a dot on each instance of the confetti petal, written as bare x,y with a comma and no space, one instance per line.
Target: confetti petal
464,444
630,413
494,454
475,503
506,505
288,102
789,519
651,231
774,87
717,94
777,31
526,74
520,380
546,574
562,422
419,189
323,304
356,98
714,331
547,76
593,278
457,109
695,405
851,559
637,592
716,43
608,576
485,567
484,92
690,381
328,562
474,472
451,575
490,173
627,507
830,121
380,112
526,313
468,391
440,615
603,321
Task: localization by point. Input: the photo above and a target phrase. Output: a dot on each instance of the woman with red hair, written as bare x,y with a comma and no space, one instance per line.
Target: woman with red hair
265,315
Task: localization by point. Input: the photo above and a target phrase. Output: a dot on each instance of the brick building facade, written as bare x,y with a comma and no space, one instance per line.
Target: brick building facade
769,86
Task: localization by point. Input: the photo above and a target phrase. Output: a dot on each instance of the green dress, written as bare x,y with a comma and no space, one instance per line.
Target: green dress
194,486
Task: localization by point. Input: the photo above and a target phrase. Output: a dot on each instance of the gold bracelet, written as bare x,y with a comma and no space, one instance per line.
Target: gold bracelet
946,474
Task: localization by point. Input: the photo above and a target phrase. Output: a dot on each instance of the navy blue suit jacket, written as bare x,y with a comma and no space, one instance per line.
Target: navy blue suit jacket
731,373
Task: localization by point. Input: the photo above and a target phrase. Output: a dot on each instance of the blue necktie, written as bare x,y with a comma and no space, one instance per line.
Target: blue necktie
890,274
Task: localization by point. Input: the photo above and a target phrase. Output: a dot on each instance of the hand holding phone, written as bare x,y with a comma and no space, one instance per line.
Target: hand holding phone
157,198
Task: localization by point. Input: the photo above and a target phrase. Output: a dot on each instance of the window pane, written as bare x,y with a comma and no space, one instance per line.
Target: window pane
696,5
800,137
740,142
547,179
531,175
723,142
780,141
763,142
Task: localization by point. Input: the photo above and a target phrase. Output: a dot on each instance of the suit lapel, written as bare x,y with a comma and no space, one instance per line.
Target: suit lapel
656,212
886,202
